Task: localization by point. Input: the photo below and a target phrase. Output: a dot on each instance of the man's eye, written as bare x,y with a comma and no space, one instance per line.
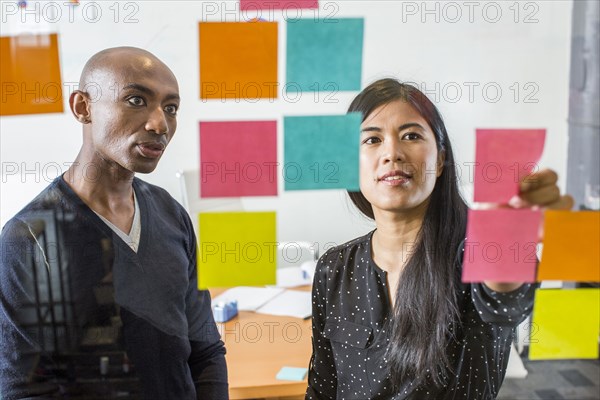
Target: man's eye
171,109
136,101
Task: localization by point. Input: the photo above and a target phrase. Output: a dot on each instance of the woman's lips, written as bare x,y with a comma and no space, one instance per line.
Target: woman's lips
394,178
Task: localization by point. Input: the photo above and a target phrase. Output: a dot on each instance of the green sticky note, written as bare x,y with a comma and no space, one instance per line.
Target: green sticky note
291,374
565,324
321,152
324,55
237,248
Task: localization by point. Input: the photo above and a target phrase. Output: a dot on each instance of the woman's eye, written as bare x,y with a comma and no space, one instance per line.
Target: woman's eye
171,109
371,140
136,101
412,136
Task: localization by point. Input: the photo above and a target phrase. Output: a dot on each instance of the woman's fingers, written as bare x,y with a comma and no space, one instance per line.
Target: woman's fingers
536,180
542,196
565,202
540,189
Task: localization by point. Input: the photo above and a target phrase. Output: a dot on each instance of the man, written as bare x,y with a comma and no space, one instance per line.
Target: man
98,285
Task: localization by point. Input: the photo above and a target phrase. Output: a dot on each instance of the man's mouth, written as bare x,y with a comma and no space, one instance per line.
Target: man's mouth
151,149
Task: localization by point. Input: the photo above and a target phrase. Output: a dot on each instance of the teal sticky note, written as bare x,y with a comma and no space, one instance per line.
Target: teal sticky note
321,152
291,374
324,55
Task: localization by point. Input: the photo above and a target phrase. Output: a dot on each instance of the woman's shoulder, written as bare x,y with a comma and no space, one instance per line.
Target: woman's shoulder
340,255
350,246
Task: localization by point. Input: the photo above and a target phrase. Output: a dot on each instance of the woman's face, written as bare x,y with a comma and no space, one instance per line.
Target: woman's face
399,161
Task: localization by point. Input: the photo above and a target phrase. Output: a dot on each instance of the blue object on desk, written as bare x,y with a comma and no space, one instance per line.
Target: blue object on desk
223,312
291,374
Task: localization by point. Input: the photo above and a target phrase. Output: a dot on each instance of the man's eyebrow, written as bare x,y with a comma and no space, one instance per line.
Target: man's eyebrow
401,128
139,88
148,91
172,96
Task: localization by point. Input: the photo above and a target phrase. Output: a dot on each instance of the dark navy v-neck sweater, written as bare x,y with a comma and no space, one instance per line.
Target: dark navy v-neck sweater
78,306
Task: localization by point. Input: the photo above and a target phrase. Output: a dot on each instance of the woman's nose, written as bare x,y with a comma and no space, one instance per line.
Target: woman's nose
392,151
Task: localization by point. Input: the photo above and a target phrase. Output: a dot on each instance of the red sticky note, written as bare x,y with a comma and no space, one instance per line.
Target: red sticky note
503,157
246,5
501,245
238,158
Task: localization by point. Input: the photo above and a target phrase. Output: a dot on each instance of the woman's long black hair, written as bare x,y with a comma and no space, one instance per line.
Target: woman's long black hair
426,308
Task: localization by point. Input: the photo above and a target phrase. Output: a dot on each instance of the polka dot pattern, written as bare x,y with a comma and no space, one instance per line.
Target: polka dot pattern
350,308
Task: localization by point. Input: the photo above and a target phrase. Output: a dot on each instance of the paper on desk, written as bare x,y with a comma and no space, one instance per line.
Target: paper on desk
290,303
292,277
248,298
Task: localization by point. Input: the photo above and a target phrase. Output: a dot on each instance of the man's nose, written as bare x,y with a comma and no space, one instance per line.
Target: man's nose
157,122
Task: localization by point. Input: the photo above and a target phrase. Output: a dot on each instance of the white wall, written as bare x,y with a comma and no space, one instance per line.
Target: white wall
457,51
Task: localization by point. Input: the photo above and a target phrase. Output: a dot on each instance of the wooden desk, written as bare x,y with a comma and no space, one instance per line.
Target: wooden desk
258,345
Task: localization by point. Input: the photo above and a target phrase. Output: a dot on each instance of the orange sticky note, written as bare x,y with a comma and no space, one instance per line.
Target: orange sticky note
571,251
238,60
30,75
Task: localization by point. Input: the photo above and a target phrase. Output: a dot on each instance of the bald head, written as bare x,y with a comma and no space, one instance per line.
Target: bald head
112,61
127,102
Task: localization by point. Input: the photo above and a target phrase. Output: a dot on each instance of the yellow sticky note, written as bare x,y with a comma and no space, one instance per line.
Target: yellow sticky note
565,324
571,251
237,248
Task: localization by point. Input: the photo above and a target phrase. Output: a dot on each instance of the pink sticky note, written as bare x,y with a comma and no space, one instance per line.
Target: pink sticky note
238,158
501,245
248,5
503,157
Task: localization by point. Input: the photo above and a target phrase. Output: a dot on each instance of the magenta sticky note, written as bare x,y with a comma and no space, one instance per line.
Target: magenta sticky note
503,157
249,5
238,158
501,245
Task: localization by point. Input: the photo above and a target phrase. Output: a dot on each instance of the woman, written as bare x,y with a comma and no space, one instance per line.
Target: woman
391,318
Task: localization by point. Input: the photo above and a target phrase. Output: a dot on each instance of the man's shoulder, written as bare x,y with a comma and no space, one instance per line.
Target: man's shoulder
30,220
46,201
156,195
149,187
155,192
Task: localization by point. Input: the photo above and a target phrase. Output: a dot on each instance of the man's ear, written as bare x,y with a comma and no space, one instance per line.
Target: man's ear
440,163
80,106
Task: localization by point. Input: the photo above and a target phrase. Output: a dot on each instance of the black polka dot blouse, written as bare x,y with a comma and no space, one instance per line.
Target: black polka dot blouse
350,307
